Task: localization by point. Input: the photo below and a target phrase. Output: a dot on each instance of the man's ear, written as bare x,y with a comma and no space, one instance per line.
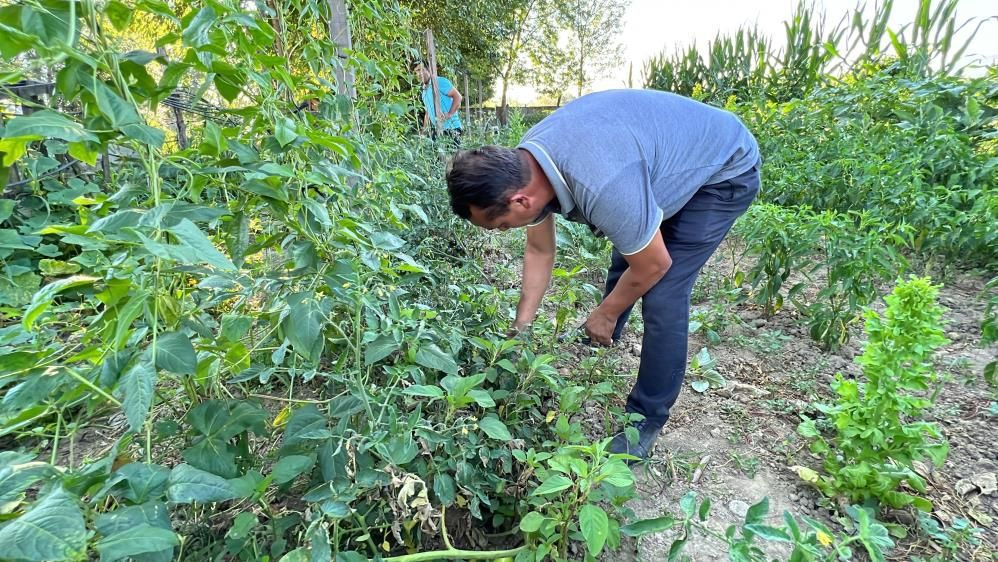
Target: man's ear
520,198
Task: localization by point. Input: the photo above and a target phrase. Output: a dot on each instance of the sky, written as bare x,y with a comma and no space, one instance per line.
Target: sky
651,26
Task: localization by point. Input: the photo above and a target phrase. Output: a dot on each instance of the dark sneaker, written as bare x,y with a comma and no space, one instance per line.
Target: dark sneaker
648,432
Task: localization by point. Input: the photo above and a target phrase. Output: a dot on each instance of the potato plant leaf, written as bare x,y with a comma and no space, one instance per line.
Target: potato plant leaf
432,357
140,539
495,428
43,298
175,353
189,485
47,124
52,529
136,392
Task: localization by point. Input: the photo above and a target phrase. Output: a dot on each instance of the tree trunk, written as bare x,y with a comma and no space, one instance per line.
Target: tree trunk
504,106
339,33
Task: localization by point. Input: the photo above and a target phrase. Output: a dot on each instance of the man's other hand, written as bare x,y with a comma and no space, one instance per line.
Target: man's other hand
516,329
599,327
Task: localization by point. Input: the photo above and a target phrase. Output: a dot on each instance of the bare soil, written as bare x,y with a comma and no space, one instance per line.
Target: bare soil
743,436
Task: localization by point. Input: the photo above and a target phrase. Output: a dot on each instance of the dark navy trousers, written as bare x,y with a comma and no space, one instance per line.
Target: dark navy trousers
691,236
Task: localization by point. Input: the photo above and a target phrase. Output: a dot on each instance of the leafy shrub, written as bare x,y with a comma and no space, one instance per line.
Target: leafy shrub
855,251
876,432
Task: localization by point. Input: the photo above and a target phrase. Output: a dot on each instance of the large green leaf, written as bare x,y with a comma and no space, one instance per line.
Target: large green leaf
616,473
17,290
218,422
154,513
43,298
306,424
188,485
175,353
594,525
224,420
214,456
386,241
190,236
143,482
262,188
118,111
288,468
494,428
144,133
12,149
18,476
380,348
119,14
196,32
284,131
531,522
554,483
140,539
50,23
11,240
432,357
136,392
52,529
425,390
648,526
303,325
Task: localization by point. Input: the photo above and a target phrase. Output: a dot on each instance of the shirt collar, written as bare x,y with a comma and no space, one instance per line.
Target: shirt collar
561,190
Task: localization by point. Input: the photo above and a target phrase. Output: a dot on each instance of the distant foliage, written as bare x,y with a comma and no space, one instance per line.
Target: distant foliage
749,65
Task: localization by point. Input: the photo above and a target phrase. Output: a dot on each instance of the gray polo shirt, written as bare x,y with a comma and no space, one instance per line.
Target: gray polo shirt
625,160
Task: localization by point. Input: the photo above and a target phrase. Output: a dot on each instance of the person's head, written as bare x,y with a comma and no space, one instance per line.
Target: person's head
489,187
421,72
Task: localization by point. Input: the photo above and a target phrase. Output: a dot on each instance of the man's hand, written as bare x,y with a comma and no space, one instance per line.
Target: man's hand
599,327
516,329
441,118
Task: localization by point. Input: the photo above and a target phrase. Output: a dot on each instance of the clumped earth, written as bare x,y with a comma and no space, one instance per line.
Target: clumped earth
738,444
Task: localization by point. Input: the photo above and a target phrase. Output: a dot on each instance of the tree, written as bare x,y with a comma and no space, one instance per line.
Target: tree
580,40
526,31
468,35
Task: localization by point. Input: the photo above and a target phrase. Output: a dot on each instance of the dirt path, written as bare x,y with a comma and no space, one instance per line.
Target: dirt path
746,431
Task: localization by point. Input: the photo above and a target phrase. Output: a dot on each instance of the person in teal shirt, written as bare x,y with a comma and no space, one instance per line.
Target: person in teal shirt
450,103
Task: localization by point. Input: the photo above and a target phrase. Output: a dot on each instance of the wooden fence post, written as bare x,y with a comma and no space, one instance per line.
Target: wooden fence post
481,102
467,101
339,33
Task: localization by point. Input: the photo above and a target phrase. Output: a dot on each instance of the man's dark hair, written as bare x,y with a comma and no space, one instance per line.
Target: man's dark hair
483,177
416,64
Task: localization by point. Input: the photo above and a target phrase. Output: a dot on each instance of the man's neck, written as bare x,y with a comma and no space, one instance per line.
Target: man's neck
539,185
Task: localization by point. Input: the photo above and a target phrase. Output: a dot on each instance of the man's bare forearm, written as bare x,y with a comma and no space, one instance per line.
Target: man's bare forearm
631,286
536,277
